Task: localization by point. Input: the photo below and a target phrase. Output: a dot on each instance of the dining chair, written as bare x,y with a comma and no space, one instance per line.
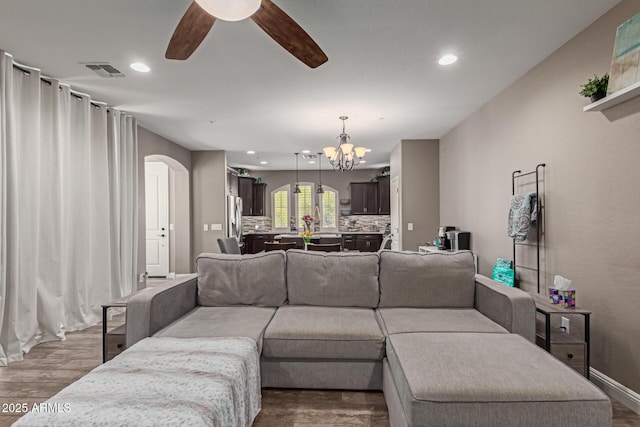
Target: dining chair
324,247
229,245
279,246
297,240
386,243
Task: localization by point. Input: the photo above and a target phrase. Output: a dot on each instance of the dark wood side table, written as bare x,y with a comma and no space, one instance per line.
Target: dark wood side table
569,349
114,340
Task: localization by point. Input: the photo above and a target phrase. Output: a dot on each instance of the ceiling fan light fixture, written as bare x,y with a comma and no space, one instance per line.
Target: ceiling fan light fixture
230,10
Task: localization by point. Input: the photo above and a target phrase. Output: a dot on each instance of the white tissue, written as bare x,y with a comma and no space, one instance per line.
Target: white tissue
561,283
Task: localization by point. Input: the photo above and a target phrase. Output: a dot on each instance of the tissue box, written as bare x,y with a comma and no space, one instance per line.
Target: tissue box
565,298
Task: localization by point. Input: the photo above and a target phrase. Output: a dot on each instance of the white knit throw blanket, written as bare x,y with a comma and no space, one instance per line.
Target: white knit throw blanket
163,381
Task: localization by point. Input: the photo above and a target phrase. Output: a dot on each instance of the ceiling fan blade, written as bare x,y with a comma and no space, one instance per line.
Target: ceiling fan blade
191,30
288,34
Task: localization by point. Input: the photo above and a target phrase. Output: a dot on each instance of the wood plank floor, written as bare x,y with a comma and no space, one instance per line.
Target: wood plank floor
49,367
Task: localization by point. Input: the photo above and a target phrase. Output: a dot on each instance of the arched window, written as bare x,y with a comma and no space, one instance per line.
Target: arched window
280,209
304,202
329,209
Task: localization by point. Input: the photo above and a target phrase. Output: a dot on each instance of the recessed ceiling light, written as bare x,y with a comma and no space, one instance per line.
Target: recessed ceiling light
263,162
251,152
311,162
306,151
447,59
363,161
140,67
368,150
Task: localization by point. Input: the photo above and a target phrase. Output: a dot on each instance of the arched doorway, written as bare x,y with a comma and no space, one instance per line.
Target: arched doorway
167,217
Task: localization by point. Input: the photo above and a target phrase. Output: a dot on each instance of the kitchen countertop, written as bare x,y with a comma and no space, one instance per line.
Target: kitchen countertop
323,234
338,234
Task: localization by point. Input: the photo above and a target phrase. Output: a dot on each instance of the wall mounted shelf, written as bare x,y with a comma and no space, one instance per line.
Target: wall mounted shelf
615,98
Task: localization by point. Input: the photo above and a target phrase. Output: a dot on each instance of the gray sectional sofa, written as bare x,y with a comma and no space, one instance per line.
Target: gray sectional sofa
446,346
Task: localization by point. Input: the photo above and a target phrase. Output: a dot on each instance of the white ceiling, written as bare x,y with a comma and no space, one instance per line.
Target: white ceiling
241,91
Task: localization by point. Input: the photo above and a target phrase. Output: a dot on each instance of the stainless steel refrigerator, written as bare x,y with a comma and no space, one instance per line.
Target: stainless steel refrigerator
234,217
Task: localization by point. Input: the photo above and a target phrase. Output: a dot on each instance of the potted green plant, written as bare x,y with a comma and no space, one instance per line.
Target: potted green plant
595,88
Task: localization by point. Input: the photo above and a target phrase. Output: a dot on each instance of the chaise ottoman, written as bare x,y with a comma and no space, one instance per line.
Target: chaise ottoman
465,379
163,381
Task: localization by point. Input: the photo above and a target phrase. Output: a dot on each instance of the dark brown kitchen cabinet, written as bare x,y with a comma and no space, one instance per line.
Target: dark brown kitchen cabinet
253,195
384,195
361,242
245,191
259,195
368,242
254,243
364,198
349,242
232,184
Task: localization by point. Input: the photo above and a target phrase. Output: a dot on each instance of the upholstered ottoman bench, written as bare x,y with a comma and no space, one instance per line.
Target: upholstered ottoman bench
480,379
163,381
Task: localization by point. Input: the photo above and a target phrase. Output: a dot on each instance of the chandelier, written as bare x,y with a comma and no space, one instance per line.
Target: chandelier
344,157
226,10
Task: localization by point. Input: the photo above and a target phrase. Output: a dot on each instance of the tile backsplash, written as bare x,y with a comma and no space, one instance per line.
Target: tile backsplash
363,222
346,223
256,223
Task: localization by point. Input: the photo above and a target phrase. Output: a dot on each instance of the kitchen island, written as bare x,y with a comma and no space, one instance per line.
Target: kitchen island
363,241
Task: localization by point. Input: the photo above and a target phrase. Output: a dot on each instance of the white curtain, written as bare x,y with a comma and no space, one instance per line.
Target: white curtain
68,180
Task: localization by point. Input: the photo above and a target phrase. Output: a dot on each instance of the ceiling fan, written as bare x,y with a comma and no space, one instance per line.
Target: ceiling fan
202,14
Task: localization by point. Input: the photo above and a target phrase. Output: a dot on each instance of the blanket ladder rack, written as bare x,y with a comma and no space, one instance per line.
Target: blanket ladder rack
540,202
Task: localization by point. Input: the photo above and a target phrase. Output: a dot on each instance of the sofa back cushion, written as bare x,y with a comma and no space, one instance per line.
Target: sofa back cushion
409,279
336,279
225,280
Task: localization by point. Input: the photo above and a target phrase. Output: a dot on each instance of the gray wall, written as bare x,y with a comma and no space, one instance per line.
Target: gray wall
416,163
149,144
335,179
591,186
180,217
208,192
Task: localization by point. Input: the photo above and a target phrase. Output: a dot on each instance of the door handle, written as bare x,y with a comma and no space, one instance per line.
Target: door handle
161,235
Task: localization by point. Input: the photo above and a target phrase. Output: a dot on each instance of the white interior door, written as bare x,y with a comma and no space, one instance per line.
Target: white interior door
396,243
157,208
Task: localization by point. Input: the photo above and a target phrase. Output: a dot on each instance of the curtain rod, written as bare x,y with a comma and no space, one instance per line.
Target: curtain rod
47,80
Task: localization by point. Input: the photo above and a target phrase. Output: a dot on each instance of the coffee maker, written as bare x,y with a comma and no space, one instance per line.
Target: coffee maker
443,241
459,240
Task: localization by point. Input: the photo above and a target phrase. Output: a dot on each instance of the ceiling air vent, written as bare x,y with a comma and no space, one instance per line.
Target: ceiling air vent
104,70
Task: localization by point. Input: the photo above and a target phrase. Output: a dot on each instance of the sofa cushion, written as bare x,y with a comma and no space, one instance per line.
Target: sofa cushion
409,279
324,333
334,279
213,322
225,280
403,320
489,379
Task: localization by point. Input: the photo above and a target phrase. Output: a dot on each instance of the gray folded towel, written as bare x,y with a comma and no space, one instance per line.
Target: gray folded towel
523,211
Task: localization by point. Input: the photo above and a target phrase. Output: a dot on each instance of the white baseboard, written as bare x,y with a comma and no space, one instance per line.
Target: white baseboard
614,389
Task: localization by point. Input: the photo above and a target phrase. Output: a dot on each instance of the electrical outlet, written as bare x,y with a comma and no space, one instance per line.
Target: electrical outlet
410,226
566,325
